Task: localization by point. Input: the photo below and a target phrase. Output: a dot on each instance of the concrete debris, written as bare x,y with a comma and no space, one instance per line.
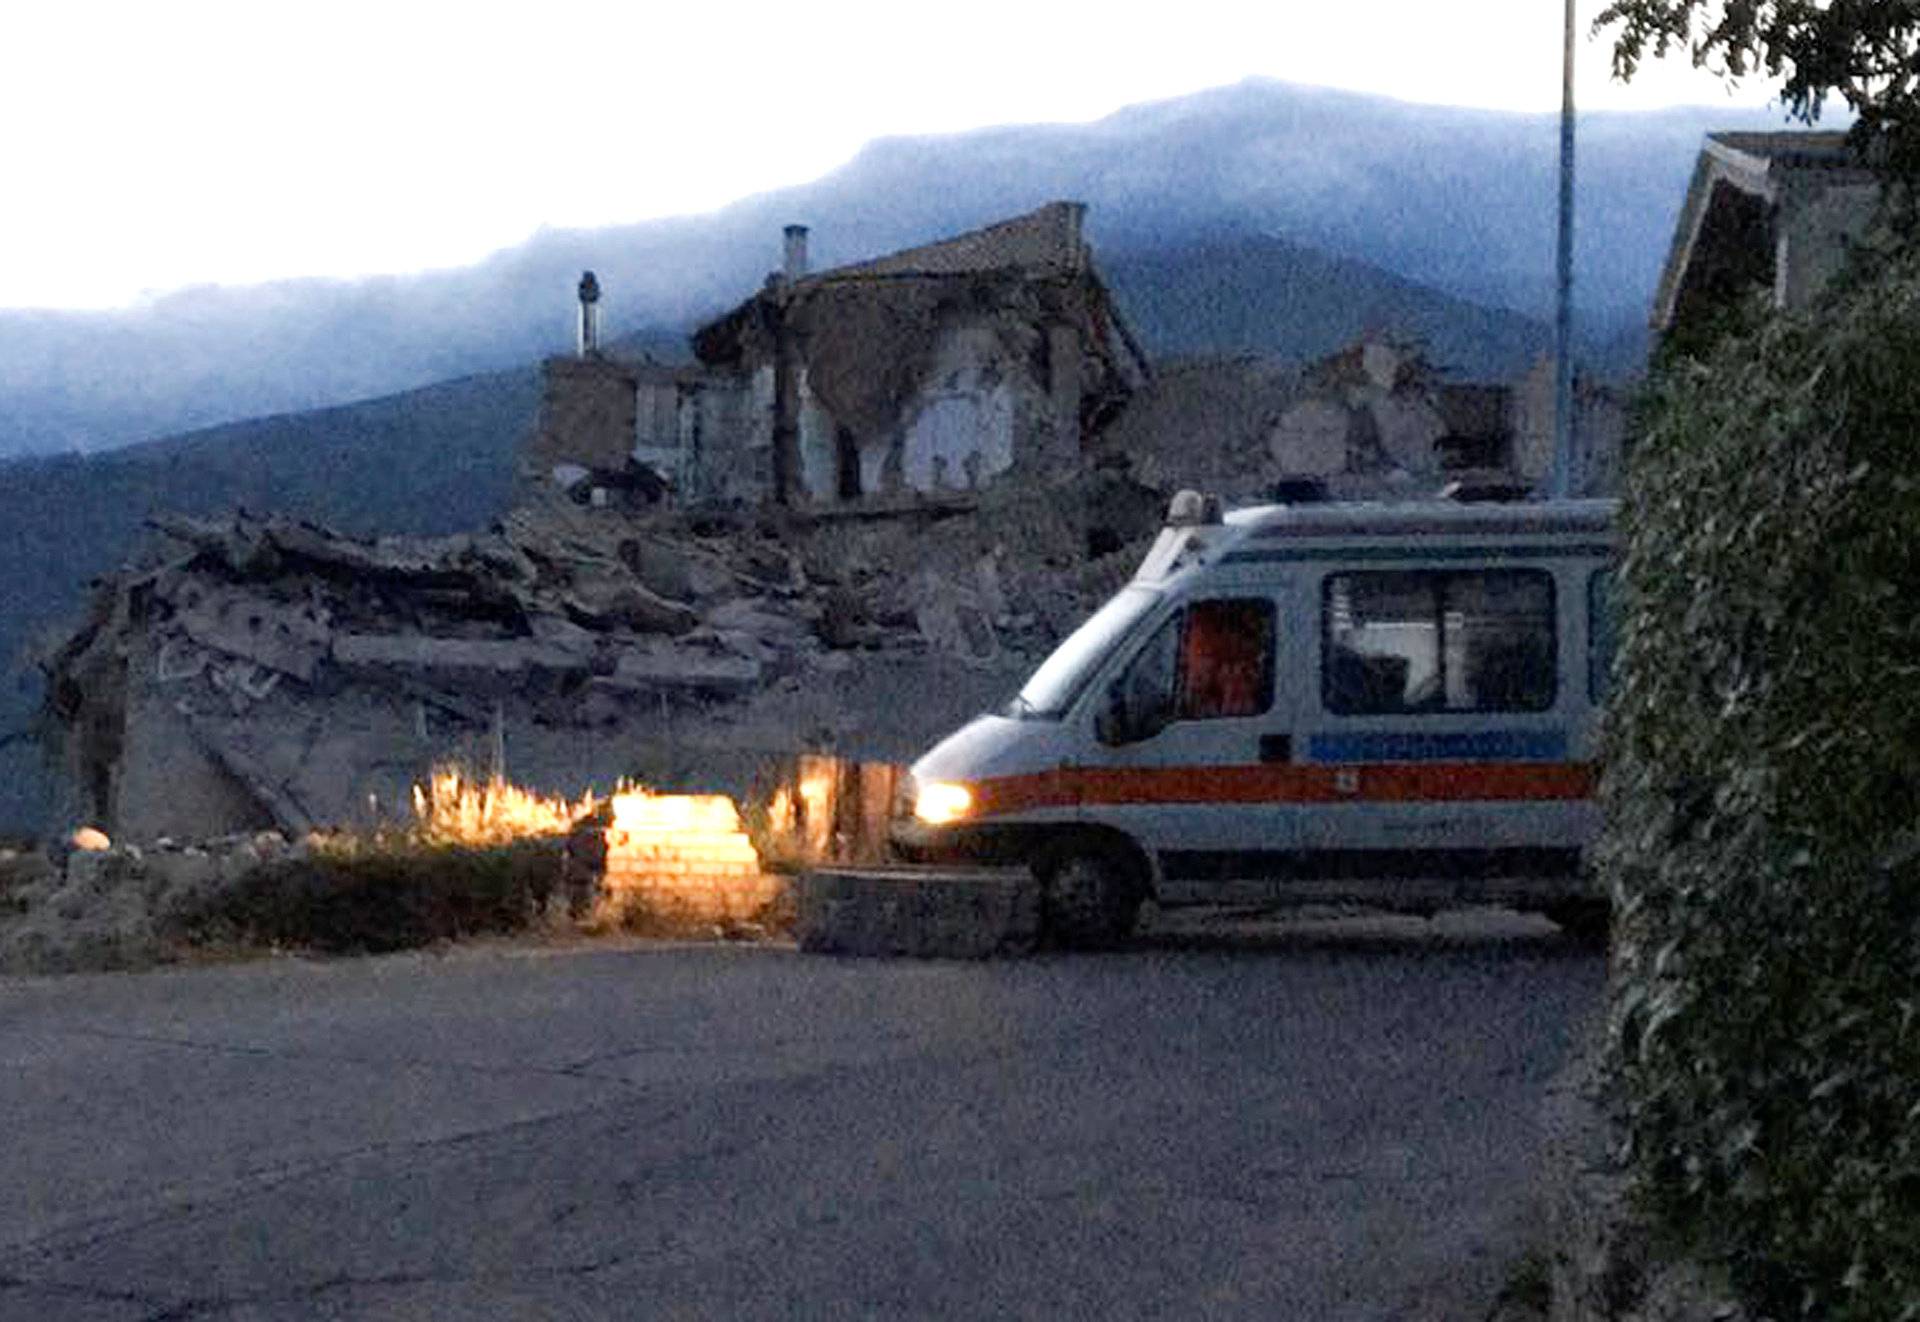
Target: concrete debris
760,618
603,603
122,906
288,639
953,619
268,673
565,636
646,669
417,652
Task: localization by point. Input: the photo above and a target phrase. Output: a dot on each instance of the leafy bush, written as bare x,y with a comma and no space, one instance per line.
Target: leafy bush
1762,794
393,891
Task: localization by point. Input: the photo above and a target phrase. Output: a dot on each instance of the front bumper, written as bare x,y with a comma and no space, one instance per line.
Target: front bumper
988,843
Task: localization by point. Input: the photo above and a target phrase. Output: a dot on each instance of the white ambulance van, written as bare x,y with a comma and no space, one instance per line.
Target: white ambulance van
1386,703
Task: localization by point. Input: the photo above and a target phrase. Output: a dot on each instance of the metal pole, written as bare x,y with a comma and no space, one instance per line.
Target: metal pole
1562,482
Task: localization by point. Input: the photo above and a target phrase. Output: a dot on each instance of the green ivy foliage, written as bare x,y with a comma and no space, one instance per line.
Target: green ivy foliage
1762,795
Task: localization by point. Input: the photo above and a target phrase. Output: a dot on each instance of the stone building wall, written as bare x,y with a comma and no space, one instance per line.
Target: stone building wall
1599,433
979,404
1815,227
698,430
589,415
959,430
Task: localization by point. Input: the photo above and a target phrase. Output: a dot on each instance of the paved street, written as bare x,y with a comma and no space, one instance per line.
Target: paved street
1294,1121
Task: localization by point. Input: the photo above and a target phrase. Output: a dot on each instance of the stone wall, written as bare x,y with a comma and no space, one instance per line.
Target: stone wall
589,414
928,913
1817,225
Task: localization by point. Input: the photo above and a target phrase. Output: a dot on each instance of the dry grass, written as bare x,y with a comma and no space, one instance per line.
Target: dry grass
452,808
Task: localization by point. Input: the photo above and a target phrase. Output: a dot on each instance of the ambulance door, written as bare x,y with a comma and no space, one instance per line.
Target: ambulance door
1190,741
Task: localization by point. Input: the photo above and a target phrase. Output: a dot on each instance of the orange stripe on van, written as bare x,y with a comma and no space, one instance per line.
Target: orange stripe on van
1426,782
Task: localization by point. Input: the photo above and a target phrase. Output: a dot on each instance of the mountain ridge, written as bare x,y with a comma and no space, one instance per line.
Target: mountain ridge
1458,200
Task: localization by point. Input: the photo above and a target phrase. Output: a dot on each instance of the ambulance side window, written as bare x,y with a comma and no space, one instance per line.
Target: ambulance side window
1404,641
1146,688
1226,659
1211,661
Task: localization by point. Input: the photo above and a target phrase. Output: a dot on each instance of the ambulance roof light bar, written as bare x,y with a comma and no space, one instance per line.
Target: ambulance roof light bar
1190,509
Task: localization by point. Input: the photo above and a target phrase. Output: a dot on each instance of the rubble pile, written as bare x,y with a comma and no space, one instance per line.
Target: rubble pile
266,674
105,906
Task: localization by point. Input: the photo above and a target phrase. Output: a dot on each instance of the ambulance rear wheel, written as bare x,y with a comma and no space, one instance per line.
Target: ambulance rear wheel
1090,897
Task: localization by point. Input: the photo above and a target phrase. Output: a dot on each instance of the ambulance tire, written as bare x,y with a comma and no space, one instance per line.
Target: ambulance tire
1090,895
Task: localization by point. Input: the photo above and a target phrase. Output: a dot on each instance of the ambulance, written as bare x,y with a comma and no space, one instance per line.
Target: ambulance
1386,703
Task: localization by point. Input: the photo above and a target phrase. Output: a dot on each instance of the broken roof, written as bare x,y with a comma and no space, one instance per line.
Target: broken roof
1043,242
1043,245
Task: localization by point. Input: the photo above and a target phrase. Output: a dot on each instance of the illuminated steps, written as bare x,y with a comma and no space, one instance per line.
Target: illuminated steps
681,859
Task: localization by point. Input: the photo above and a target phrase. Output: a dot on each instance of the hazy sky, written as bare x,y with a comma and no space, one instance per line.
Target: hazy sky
161,143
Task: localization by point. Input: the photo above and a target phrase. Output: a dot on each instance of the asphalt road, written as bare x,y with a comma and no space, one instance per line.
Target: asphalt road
1288,1121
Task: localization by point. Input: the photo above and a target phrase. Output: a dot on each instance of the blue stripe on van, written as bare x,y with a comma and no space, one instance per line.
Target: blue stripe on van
1458,746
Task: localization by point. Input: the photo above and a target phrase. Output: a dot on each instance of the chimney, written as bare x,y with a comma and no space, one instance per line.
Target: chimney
796,262
589,314
1073,216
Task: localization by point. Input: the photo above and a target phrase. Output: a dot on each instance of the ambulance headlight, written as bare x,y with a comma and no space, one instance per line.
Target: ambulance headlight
941,801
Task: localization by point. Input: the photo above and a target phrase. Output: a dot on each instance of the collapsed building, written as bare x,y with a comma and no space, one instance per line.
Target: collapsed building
796,543
933,370
1377,419
266,674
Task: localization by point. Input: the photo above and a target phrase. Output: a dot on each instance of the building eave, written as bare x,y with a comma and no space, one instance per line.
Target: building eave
1766,166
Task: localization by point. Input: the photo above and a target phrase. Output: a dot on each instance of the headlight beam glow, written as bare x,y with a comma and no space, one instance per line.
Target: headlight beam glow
940,802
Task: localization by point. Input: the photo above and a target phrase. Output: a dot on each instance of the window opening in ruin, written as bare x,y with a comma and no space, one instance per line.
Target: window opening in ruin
846,460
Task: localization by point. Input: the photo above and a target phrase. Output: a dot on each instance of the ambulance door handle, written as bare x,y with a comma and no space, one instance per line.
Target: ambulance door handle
1276,748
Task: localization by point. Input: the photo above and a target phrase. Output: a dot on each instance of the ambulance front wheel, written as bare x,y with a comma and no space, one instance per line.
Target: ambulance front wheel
1090,894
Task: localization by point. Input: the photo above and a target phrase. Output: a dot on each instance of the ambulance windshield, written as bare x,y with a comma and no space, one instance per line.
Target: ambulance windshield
1060,678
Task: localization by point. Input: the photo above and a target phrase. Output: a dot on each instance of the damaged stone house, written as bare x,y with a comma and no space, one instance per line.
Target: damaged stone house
1375,420
1379,421
929,371
1772,214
